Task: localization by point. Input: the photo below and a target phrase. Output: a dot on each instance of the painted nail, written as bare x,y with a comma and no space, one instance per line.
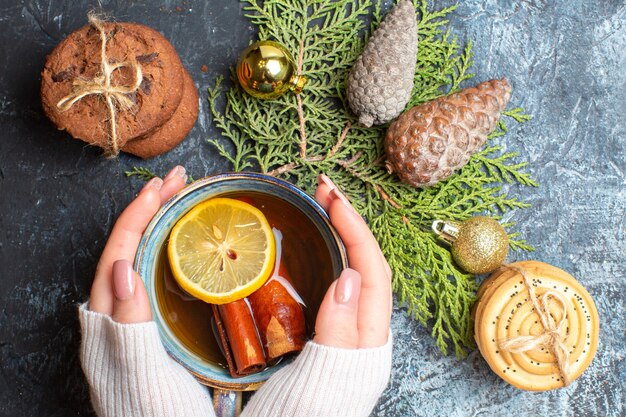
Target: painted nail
155,183
323,179
347,284
178,170
123,279
335,194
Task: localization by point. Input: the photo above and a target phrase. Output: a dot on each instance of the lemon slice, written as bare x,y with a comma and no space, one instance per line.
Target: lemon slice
222,250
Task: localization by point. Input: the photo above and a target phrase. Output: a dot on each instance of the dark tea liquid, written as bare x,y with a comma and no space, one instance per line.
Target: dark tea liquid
304,255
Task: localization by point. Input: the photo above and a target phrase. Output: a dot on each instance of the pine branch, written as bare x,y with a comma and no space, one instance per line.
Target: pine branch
518,115
519,244
145,174
142,173
267,136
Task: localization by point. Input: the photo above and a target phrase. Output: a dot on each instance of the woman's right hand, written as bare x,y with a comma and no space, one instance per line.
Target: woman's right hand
356,310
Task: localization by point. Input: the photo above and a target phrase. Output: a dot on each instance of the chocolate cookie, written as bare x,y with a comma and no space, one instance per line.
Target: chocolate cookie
174,130
78,57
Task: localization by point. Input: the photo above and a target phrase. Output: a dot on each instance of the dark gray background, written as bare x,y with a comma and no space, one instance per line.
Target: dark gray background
59,198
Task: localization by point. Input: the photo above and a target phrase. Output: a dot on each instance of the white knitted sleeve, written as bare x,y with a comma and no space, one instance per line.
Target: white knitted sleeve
325,382
131,374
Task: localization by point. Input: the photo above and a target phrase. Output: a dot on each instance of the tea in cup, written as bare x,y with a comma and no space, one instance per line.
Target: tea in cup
309,256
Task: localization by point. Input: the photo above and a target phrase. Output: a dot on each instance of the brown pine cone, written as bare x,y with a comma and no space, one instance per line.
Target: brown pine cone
429,142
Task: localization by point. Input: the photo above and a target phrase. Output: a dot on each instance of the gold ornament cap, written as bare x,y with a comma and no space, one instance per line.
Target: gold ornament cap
535,345
266,70
479,244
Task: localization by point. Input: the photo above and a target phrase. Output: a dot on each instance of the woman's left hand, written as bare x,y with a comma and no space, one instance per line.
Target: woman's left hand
117,289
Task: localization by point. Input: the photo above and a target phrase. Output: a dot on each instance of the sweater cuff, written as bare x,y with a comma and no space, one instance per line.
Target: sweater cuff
325,381
101,333
130,373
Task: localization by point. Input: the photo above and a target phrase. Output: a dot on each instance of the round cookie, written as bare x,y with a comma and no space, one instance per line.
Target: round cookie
78,56
174,130
504,312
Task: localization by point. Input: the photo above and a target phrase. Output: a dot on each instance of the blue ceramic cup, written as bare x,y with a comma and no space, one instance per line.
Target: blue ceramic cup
156,235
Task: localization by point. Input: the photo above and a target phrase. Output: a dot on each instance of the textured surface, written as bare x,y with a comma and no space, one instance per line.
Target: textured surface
59,199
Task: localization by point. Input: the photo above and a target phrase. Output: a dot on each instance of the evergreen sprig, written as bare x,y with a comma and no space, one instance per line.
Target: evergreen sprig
141,173
265,136
146,174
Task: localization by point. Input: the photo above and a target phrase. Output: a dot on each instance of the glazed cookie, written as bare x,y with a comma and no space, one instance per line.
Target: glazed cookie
78,58
174,130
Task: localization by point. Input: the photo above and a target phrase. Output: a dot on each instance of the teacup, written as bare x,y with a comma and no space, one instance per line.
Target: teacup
298,207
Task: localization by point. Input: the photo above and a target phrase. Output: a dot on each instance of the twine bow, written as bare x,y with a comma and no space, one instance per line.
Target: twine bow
115,96
551,336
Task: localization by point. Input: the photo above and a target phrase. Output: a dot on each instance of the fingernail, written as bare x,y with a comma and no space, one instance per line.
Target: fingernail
123,279
323,179
155,183
335,194
346,286
178,170
338,195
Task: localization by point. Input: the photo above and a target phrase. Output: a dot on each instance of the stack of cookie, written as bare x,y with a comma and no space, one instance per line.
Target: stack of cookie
164,103
539,341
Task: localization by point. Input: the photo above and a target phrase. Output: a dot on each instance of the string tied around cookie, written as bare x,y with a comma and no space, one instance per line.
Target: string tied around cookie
551,335
116,96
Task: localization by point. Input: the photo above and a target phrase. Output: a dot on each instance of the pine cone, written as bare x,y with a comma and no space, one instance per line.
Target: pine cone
381,80
430,141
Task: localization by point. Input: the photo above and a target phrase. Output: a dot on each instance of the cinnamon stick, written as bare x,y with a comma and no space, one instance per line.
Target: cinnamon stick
273,314
239,337
279,318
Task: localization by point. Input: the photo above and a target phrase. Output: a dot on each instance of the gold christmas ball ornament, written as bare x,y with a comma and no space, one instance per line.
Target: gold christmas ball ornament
266,70
479,244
